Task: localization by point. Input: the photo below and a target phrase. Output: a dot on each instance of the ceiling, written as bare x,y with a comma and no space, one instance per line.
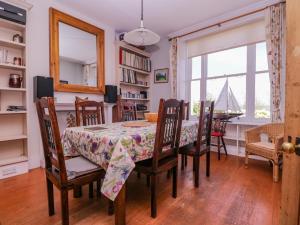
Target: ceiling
161,16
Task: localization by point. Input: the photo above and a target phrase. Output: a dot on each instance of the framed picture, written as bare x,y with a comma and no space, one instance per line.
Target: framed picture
161,75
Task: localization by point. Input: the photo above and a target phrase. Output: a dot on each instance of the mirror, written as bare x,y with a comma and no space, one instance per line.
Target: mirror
76,54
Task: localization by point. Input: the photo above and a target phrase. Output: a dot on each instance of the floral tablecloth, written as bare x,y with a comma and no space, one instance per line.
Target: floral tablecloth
116,148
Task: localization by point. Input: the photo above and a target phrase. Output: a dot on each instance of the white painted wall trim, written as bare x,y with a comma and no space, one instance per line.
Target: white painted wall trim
251,8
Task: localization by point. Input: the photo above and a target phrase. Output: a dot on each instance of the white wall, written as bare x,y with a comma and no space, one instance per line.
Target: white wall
38,64
71,72
160,59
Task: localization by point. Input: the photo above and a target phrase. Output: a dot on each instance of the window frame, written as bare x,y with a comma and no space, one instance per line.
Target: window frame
250,83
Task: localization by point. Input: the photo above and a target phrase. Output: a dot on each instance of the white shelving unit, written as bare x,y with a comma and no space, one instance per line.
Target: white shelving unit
142,77
13,132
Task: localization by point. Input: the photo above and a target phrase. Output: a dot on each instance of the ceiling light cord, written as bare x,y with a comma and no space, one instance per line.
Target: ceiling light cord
141,36
142,13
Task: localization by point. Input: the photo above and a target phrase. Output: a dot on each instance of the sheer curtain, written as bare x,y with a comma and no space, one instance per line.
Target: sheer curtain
275,33
173,67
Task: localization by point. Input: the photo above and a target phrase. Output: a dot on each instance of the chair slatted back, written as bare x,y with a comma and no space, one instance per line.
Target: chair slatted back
186,111
168,129
219,125
205,125
53,152
89,112
128,111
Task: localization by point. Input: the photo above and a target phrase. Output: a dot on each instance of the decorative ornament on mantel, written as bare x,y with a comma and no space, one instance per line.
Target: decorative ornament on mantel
141,36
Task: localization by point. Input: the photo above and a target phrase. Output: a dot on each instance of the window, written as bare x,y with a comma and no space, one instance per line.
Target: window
232,61
227,70
195,84
236,79
262,83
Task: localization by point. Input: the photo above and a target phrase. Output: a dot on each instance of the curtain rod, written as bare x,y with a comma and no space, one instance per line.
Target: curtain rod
224,21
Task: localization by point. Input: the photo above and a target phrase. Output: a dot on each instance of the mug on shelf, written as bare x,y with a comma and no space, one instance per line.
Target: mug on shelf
15,81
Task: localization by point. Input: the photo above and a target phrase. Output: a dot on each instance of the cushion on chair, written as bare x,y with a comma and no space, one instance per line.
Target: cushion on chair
79,166
263,145
264,149
217,134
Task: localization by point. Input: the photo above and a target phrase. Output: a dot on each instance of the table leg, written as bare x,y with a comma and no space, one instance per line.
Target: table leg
120,207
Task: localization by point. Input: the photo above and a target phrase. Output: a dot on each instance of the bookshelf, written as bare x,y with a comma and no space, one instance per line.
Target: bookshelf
133,74
13,132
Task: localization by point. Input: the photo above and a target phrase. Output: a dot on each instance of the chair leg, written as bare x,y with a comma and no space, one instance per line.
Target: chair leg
275,172
169,174
153,195
186,160
223,143
208,163
77,192
246,159
194,164
148,180
174,188
99,188
50,197
64,207
196,178
182,161
111,208
219,149
91,190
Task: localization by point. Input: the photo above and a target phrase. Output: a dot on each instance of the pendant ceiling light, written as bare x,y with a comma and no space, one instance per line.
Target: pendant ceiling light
141,36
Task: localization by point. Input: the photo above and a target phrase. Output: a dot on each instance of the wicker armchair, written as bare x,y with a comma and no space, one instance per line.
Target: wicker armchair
270,149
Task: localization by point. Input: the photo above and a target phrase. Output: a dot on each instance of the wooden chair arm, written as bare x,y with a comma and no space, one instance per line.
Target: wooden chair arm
278,143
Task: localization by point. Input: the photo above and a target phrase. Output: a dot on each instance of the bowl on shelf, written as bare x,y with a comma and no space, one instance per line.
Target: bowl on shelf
151,117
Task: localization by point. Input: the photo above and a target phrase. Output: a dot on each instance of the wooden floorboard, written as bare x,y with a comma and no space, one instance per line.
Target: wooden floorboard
232,195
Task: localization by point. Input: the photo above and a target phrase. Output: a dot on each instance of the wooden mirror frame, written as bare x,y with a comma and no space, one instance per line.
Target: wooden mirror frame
56,17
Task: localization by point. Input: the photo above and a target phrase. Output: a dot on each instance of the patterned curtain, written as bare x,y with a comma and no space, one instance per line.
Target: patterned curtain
275,41
173,68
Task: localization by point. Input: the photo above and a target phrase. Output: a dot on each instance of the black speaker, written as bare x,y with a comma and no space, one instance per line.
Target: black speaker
111,92
12,13
42,87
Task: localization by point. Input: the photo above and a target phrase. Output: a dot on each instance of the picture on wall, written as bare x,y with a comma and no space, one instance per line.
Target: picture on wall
161,75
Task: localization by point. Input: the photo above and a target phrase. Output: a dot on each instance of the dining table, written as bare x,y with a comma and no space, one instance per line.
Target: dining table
116,147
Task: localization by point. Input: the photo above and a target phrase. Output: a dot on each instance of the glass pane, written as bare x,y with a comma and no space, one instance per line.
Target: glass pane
261,57
232,61
195,97
196,67
214,88
238,87
262,95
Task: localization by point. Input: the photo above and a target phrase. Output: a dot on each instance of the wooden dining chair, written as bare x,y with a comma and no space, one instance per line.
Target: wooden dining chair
186,116
186,111
203,140
63,173
128,111
90,113
165,154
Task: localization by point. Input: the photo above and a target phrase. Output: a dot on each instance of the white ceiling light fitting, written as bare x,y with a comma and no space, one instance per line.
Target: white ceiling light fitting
141,36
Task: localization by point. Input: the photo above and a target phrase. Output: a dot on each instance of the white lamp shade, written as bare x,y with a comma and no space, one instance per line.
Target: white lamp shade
141,37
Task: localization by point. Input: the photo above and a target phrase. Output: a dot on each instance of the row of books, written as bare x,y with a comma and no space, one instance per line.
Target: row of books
133,60
136,95
128,76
